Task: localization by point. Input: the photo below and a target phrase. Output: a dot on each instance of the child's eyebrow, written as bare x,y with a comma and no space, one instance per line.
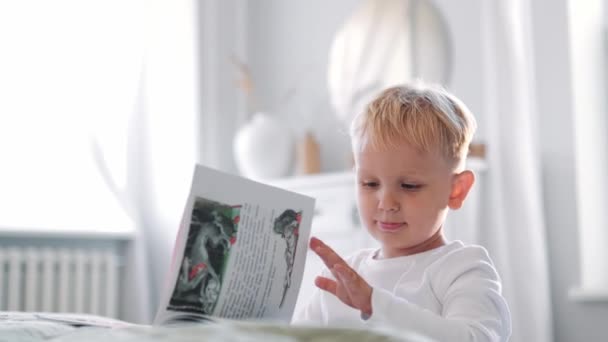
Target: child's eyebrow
397,174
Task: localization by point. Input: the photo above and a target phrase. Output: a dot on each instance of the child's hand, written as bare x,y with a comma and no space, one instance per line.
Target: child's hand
349,286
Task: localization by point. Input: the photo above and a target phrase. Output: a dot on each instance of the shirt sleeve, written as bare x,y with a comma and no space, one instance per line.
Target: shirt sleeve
311,313
473,308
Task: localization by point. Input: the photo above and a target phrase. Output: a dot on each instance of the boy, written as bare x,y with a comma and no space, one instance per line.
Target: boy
409,147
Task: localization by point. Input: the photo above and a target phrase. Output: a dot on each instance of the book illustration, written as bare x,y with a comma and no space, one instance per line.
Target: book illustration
287,225
212,232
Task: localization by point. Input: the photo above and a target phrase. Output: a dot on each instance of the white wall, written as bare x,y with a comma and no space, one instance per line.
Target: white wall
288,45
222,37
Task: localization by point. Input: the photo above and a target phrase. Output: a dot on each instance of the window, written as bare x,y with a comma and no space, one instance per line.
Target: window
70,74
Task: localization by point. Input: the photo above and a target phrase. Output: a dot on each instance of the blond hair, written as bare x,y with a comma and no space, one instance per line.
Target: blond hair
426,117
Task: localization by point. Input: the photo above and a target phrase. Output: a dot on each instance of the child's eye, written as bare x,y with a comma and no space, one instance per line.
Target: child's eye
408,186
369,184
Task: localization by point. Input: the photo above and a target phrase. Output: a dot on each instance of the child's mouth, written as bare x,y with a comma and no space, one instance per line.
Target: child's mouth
390,226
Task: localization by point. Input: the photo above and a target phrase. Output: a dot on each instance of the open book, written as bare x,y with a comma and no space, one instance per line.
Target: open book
239,253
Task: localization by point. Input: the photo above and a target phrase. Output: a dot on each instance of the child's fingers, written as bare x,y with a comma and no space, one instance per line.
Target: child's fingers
329,257
327,285
356,287
346,273
348,278
348,285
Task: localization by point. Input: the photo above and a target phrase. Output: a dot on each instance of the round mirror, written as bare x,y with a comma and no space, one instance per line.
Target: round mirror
385,43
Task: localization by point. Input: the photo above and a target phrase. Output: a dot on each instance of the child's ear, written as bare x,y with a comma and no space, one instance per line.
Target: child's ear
461,184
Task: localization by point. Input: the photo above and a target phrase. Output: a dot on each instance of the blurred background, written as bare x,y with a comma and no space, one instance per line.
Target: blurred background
105,107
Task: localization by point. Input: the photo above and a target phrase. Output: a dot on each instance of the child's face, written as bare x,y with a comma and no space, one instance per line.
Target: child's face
404,195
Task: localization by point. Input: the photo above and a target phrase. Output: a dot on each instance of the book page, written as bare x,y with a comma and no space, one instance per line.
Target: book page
240,251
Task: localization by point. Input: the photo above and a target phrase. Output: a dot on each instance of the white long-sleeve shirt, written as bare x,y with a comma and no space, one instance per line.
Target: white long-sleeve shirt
450,293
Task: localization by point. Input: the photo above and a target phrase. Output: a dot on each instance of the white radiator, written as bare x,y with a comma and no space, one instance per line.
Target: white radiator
59,280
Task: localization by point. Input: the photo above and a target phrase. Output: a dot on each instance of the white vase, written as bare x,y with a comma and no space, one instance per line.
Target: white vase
263,148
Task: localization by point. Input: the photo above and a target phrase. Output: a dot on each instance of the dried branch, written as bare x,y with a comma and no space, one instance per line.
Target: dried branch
245,83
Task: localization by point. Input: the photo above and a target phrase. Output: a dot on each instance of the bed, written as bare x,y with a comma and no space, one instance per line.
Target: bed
29,327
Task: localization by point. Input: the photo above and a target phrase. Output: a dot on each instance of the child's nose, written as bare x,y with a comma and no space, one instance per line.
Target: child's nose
388,201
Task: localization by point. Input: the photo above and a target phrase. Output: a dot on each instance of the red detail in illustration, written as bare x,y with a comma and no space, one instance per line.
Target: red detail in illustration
232,240
296,231
195,269
299,217
236,219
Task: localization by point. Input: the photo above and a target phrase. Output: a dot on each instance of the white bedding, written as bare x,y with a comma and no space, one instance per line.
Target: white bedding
36,331
223,332
11,331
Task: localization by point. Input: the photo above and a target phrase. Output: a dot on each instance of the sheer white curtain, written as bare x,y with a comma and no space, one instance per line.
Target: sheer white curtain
98,125
170,136
160,149
512,222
